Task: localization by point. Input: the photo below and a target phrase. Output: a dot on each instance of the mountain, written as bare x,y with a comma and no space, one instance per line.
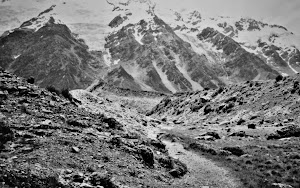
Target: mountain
46,49
273,44
158,98
147,48
175,55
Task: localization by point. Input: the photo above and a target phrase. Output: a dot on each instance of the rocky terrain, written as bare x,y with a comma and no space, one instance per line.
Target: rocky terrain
142,101
237,136
50,141
170,51
170,99
253,128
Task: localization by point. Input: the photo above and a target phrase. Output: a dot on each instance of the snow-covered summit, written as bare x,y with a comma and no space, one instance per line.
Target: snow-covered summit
246,31
41,20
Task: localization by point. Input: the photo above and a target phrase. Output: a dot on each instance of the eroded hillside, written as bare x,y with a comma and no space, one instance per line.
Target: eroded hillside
252,128
48,141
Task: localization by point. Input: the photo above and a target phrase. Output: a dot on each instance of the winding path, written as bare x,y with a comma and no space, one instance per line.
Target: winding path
203,173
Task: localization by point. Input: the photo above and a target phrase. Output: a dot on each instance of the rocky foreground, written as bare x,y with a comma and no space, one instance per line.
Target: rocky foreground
252,128
46,140
237,136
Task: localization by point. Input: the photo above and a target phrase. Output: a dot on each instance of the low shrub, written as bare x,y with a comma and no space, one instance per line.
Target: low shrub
52,89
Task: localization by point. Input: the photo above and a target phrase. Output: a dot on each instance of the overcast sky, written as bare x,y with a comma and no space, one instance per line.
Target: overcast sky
282,12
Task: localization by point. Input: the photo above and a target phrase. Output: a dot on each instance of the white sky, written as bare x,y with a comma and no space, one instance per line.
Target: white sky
281,12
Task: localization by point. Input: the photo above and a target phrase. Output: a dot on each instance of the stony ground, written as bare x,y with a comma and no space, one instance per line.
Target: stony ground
47,140
201,171
238,136
252,128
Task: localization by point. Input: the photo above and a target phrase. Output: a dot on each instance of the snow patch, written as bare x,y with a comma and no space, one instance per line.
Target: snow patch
16,56
107,57
164,78
138,37
249,49
116,61
288,62
41,21
138,74
196,86
195,43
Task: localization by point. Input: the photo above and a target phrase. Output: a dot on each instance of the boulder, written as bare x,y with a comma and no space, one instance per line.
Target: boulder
30,80
207,138
240,121
224,153
179,169
213,134
239,134
75,149
210,136
207,109
289,131
158,144
78,123
112,123
235,150
3,95
6,134
251,126
78,177
203,148
147,155
102,179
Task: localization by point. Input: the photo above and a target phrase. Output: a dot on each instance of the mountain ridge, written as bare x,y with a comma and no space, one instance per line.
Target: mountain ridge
146,50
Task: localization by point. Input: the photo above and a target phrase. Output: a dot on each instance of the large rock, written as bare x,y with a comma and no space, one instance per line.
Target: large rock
235,150
147,155
113,123
280,185
102,179
289,131
179,169
6,134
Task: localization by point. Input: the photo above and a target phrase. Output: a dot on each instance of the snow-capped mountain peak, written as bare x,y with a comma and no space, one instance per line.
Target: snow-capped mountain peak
149,47
41,20
131,11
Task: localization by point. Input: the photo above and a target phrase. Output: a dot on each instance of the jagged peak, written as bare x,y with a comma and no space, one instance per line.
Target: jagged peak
47,10
44,18
132,5
195,14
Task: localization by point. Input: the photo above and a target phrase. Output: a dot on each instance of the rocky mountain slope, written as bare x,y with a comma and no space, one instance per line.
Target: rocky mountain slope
256,121
48,141
158,54
45,49
145,47
226,50
273,44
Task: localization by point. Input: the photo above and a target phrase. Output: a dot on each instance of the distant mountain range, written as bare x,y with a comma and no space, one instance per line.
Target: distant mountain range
150,48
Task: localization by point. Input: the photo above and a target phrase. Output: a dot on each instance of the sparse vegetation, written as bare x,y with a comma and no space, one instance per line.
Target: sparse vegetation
259,138
48,142
63,92
52,89
66,94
